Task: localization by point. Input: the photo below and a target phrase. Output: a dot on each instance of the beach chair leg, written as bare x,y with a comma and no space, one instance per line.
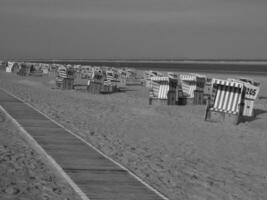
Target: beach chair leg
240,110
254,116
207,114
237,119
150,101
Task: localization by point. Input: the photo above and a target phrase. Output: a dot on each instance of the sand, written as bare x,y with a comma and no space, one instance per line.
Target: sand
170,147
23,174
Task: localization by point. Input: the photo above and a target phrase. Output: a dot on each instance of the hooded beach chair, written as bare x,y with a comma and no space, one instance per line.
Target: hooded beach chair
159,89
226,98
191,82
188,82
148,75
62,71
65,77
251,92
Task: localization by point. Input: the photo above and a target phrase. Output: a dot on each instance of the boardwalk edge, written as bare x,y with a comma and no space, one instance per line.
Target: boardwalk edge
45,156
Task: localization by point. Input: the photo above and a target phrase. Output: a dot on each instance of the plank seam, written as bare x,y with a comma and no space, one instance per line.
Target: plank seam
93,147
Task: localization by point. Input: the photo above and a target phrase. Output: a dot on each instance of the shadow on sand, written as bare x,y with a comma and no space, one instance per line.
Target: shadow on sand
123,90
262,97
257,113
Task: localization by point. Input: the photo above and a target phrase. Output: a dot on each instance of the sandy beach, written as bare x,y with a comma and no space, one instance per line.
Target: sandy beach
24,175
170,147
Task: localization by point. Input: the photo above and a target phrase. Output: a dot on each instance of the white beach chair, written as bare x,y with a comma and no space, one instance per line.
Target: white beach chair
226,98
159,90
188,82
251,92
160,87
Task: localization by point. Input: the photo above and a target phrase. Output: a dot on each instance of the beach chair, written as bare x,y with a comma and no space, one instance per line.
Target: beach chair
65,78
159,90
226,99
188,82
62,72
251,92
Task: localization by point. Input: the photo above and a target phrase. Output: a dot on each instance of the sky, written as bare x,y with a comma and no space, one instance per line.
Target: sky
84,29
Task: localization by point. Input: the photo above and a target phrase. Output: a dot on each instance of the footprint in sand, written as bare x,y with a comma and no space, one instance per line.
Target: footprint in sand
11,190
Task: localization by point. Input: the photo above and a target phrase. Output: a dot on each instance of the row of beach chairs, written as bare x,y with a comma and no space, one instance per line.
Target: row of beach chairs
231,97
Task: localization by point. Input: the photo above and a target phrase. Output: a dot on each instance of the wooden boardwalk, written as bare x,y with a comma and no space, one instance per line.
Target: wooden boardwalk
97,176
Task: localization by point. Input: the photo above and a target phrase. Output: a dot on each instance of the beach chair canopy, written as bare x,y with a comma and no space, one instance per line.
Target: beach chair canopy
151,73
62,71
9,66
249,80
251,91
188,82
172,75
188,77
77,66
109,75
160,87
226,96
123,74
45,68
191,82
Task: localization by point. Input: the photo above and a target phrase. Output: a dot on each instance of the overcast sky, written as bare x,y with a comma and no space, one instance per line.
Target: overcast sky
133,29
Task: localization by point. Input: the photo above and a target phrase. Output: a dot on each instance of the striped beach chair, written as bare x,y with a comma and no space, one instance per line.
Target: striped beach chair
62,72
148,75
172,75
226,98
160,87
188,82
107,82
110,75
64,78
251,92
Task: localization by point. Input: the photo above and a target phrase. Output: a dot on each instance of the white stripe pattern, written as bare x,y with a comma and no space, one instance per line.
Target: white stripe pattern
251,91
110,75
188,84
188,89
160,87
62,71
172,75
159,78
227,97
155,88
227,83
62,74
107,82
187,77
163,91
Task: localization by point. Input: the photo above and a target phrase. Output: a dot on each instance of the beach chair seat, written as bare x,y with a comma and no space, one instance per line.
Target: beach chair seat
226,98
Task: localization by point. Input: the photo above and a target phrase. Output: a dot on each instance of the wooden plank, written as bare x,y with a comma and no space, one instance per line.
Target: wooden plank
40,123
